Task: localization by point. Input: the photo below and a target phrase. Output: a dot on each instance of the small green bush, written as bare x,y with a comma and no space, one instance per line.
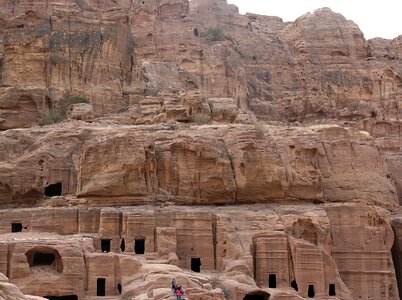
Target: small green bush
135,100
51,117
226,292
215,34
77,99
201,119
260,128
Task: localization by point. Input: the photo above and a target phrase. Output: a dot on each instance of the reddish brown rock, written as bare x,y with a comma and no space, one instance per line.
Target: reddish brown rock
318,67
247,157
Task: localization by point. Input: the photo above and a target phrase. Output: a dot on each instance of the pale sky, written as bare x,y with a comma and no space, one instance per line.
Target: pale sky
376,18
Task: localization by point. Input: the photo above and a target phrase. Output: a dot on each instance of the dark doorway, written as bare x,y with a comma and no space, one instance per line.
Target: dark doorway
54,189
16,227
331,291
255,297
119,288
196,264
43,259
293,284
101,287
139,246
272,281
122,245
196,32
105,245
68,297
310,291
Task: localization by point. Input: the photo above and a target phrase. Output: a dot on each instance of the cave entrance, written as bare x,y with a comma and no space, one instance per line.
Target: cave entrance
119,288
139,246
101,287
310,291
68,297
256,296
105,245
196,264
16,227
331,291
122,245
293,284
272,281
54,189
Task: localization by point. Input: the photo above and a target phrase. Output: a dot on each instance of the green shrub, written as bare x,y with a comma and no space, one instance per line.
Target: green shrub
226,292
135,100
260,128
51,117
201,119
128,296
215,34
77,99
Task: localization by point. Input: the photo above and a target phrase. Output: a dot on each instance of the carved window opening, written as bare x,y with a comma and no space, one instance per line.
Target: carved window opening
16,227
139,246
43,259
293,284
54,189
272,281
310,291
331,291
196,264
101,287
105,245
122,245
46,258
68,297
119,288
196,32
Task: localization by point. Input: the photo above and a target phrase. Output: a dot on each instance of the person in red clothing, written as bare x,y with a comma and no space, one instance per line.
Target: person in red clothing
178,293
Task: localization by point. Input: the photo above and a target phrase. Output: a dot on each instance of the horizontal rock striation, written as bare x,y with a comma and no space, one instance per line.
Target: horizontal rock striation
195,165
247,157
319,67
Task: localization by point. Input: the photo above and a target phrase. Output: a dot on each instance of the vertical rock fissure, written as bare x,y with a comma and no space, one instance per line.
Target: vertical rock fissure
395,251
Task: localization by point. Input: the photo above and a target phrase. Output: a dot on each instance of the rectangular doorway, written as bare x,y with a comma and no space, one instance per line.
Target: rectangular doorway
196,264
105,245
139,246
101,287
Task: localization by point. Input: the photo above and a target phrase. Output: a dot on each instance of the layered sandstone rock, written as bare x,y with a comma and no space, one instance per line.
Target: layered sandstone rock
247,157
318,67
195,165
306,247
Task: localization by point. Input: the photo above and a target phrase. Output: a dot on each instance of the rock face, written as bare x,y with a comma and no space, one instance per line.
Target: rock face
319,67
196,165
244,156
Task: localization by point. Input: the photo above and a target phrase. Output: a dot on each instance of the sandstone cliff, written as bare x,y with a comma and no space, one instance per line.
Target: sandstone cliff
247,157
319,67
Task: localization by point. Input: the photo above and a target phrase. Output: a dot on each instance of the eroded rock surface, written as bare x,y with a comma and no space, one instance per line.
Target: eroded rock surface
247,157
196,165
319,67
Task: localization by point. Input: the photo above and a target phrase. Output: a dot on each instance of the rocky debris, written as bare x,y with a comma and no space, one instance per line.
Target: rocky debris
81,111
